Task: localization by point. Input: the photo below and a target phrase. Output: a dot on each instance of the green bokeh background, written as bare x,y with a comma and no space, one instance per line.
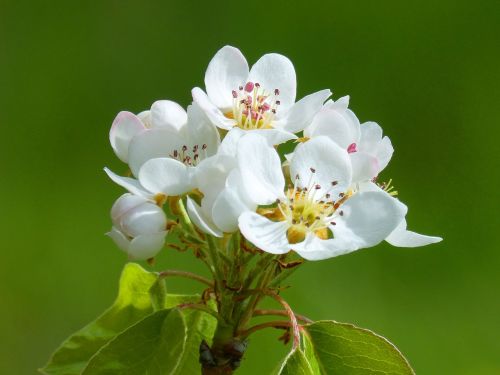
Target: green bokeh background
427,71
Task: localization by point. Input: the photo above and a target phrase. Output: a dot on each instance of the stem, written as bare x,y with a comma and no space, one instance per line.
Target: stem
214,258
262,283
258,327
187,275
291,315
184,218
302,318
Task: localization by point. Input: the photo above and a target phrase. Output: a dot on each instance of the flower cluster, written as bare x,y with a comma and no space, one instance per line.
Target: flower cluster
214,169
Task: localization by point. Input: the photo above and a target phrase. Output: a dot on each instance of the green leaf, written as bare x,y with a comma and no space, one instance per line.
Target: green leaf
133,303
344,349
200,326
153,346
296,363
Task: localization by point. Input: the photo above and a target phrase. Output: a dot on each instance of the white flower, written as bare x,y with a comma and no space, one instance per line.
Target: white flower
260,100
165,156
317,216
368,150
139,226
400,236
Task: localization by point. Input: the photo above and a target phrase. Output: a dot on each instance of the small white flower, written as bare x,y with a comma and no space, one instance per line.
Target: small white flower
368,150
260,100
317,216
139,226
165,156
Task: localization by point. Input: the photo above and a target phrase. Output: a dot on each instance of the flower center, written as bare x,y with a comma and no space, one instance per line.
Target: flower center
190,156
254,107
307,210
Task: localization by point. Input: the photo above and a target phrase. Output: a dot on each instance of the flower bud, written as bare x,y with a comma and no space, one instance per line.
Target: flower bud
139,226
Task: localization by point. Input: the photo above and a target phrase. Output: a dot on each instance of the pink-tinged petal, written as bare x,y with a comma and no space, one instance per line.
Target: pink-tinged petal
213,113
201,220
168,114
167,176
227,70
125,126
404,238
322,163
131,184
274,71
260,169
146,246
267,235
302,113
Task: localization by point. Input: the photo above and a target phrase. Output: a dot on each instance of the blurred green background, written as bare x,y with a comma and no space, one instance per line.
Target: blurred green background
427,71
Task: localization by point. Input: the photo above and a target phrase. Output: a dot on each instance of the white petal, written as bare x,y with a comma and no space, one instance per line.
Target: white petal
231,203
146,218
368,218
131,184
168,114
124,203
119,239
260,168
125,126
274,71
329,162
213,113
274,136
371,141
364,166
229,145
340,104
200,131
146,246
404,238
202,221
166,175
145,117
153,143
267,235
342,127
314,248
227,70
302,113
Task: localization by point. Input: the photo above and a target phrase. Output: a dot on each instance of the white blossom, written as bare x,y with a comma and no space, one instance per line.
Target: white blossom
139,226
260,99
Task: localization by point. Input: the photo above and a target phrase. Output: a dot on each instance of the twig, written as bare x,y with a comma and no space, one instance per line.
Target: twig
281,313
291,315
187,275
275,324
